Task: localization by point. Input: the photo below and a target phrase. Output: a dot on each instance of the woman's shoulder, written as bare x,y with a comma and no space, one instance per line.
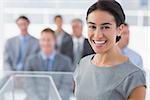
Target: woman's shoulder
130,68
83,64
131,72
133,77
86,59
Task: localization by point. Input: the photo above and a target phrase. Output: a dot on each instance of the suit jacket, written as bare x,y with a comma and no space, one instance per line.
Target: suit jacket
39,87
65,38
36,63
11,52
67,49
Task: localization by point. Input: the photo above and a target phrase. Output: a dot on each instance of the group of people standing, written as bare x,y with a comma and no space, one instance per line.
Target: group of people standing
58,46
55,51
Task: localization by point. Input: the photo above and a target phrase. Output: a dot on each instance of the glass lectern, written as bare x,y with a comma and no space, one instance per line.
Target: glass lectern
36,86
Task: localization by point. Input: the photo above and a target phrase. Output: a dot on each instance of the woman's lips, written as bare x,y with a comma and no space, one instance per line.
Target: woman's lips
99,43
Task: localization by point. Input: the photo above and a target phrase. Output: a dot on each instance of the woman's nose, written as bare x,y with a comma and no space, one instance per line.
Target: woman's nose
98,33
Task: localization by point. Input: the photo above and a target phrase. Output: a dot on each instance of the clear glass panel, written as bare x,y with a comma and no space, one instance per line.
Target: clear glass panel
36,86
6,88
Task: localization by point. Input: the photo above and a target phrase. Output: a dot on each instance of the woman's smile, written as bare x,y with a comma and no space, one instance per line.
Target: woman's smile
99,43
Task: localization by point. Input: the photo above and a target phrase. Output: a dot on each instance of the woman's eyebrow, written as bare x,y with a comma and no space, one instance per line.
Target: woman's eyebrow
106,24
100,24
90,23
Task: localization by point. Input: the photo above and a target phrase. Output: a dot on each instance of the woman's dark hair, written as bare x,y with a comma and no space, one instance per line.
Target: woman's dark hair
111,6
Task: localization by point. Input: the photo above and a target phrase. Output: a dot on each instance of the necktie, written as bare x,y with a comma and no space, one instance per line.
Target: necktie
49,64
77,53
22,52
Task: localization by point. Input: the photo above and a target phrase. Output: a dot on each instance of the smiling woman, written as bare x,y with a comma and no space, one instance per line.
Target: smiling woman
108,74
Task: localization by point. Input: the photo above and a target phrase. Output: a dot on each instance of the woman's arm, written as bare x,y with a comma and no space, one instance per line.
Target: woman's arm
138,93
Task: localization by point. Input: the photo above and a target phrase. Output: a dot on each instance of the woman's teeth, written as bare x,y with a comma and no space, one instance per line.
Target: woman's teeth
99,42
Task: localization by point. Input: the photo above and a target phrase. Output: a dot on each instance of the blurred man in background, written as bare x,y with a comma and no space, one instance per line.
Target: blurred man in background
134,57
18,48
49,60
78,46
62,36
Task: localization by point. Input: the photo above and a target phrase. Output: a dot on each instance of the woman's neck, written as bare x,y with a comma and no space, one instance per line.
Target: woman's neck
112,57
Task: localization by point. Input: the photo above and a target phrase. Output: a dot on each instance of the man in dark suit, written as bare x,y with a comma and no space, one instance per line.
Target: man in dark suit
61,35
18,48
77,46
48,60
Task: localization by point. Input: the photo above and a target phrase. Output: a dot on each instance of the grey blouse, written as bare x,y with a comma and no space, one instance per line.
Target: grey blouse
106,83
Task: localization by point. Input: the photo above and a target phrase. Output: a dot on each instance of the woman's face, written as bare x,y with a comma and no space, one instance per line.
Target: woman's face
102,31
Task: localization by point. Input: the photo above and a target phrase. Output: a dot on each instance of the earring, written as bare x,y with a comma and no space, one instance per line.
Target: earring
118,37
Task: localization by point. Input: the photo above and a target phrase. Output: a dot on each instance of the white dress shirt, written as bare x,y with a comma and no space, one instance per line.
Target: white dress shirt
134,57
77,48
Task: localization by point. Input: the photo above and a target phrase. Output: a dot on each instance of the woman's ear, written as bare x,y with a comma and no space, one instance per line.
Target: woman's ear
119,33
120,29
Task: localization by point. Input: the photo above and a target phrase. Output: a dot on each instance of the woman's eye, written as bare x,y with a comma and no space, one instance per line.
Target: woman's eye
105,27
92,27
